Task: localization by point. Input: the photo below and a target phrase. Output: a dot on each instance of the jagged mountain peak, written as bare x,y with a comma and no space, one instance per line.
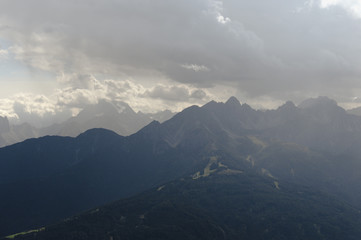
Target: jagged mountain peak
247,107
211,104
233,101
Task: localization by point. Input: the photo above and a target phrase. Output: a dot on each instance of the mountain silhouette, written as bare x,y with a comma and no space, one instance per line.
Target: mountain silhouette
51,178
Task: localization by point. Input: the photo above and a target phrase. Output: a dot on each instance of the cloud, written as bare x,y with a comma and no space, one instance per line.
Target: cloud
3,53
195,67
77,98
198,94
351,6
78,91
79,81
38,110
6,109
186,51
174,93
121,37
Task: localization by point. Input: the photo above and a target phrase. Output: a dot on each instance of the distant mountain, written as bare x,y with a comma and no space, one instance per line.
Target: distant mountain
355,111
224,205
4,128
315,145
4,124
10,134
118,117
317,123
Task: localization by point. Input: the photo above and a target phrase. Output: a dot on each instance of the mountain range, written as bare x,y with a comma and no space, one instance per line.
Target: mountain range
118,117
305,157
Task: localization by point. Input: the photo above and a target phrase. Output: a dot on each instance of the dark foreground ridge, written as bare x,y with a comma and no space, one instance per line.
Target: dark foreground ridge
223,205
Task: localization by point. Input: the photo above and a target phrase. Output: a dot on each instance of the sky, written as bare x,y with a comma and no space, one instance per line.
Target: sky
58,56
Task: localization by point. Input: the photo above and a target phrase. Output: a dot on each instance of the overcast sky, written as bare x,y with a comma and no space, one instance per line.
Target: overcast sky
58,56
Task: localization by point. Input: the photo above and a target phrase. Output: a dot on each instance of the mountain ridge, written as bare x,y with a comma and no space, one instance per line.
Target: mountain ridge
118,117
219,206
197,141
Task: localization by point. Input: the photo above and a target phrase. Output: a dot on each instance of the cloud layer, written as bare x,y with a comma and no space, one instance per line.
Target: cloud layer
169,53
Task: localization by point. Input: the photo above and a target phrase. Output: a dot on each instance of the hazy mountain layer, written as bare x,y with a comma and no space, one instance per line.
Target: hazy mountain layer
10,134
119,118
355,111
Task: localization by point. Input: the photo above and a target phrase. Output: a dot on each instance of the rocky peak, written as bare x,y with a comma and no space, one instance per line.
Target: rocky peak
233,101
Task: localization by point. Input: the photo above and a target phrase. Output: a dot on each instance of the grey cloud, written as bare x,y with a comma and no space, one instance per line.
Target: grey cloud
262,49
79,81
77,98
174,93
159,35
198,94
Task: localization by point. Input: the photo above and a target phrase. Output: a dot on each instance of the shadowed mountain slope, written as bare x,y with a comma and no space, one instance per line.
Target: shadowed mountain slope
223,205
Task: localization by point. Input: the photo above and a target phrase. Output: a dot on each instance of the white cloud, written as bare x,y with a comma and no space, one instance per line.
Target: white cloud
217,10
76,98
6,109
223,20
38,110
3,53
195,67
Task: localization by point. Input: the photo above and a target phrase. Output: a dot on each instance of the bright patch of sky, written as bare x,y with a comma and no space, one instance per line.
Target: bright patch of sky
19,77
352,6
10,69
